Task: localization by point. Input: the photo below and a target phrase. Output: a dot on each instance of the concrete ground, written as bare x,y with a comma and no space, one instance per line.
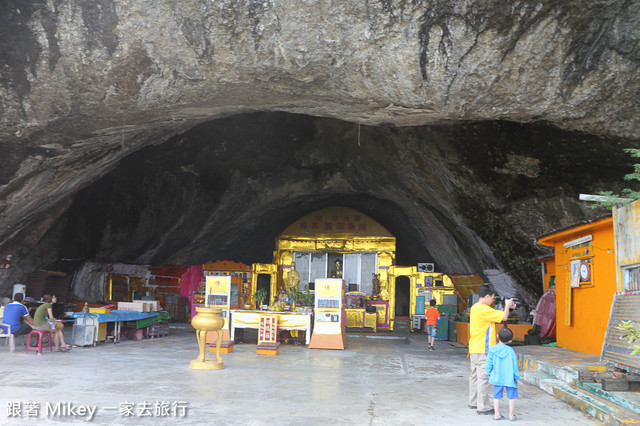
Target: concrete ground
375,381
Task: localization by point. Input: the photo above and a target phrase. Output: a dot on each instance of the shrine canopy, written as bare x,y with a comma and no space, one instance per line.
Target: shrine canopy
337,228
336,242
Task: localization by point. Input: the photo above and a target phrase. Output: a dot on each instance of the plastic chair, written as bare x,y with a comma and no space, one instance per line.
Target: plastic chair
9,336
40,334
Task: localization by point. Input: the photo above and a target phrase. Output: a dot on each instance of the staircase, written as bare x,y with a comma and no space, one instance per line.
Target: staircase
402,325
562,381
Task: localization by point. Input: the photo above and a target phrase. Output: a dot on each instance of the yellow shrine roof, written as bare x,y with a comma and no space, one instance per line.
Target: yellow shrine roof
335,222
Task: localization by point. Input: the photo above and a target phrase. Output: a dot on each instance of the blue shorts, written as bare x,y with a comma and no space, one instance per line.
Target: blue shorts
432,330
512,393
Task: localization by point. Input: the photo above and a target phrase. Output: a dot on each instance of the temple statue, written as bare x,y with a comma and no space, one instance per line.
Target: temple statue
376,285
293,277
384,293
337,270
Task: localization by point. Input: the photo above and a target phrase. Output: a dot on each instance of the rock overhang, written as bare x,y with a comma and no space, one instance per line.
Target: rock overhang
84,88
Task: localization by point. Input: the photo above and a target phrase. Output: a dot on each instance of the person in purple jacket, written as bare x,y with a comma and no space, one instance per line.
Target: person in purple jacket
502,369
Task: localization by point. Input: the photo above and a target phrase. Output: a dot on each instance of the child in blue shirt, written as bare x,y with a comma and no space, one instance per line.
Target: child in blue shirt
502,369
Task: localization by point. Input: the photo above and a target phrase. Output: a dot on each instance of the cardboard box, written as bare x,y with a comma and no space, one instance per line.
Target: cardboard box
155,305
130,306
149,305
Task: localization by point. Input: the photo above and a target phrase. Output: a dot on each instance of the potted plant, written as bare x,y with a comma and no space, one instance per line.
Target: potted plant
259,297
306,297
247,301
294,294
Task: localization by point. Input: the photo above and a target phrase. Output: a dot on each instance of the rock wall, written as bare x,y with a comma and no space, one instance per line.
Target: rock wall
85,84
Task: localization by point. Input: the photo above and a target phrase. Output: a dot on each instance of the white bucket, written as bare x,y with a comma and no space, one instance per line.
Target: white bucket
19,288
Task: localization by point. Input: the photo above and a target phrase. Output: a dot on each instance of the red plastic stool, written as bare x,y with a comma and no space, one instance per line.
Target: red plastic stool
40,334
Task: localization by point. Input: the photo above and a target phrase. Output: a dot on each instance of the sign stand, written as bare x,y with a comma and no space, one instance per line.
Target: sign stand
328,329
268,335
218,294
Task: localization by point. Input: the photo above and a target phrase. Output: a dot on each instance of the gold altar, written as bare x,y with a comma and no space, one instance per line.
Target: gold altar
340,242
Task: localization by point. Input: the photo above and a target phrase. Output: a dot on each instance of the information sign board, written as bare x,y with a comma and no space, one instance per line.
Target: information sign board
218,294
328,330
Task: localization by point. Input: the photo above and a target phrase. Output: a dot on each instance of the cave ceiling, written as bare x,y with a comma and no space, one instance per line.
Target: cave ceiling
191,131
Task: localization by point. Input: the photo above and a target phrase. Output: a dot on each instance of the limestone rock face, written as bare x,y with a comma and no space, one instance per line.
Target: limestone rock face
86,83
94,64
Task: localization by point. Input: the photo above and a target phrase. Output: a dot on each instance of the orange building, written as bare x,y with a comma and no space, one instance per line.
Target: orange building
548,264
585,278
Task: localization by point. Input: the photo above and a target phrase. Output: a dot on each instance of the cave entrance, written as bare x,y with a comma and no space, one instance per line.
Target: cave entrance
402,297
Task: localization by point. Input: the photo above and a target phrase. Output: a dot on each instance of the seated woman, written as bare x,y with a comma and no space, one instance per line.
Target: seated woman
43,320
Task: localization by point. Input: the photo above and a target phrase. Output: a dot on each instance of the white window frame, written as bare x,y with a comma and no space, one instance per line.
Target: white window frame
578,241
326,257
626,276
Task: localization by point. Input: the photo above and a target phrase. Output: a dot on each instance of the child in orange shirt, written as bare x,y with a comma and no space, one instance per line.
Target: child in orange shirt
433,316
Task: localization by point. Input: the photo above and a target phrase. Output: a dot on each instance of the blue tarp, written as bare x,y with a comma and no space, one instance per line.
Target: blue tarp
116,315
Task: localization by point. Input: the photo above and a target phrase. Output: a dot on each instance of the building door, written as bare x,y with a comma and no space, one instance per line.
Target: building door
402,296
264,281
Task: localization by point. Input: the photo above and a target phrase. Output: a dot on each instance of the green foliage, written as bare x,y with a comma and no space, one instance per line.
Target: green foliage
260,296
631,195
631,333
505,244
303,298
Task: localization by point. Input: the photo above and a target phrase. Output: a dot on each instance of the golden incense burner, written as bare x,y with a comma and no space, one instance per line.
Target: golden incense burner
207,319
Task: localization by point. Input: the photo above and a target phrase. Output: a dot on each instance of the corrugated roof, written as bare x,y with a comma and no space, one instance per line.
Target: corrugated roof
575,225
502,283
466,284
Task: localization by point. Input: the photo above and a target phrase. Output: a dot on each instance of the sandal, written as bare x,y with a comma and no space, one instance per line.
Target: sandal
64,349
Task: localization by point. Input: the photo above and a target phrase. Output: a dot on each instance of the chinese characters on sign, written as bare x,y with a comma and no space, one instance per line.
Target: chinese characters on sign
268,330
68,409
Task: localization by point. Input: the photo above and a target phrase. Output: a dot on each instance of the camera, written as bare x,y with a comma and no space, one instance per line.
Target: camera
517,302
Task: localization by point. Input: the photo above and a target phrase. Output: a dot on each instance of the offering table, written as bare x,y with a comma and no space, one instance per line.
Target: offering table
286,321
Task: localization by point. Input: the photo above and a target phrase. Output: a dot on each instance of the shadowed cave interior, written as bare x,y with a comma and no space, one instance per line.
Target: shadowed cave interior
466,197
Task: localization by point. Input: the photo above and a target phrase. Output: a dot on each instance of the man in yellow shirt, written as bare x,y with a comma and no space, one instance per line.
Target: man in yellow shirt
482,336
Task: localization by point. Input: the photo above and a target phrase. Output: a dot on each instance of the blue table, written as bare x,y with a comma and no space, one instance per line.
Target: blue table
115,316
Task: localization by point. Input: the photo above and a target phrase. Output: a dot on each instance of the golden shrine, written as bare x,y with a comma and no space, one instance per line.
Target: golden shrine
340,242
333,242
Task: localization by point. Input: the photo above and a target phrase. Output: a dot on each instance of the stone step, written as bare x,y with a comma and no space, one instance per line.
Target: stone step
566,374
615,397
585,398
563,391
542,380
602,409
